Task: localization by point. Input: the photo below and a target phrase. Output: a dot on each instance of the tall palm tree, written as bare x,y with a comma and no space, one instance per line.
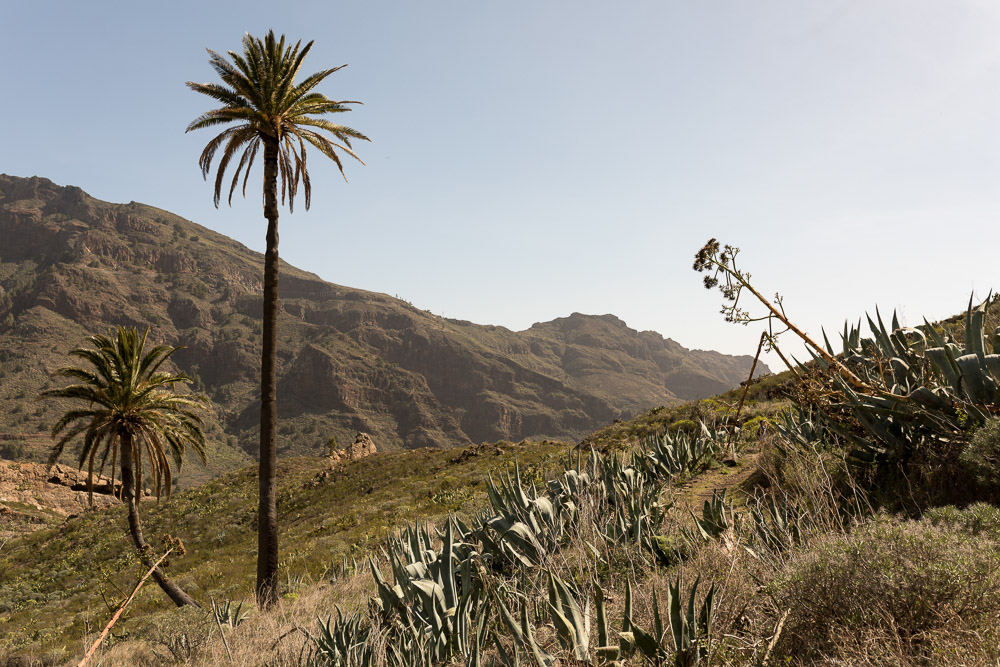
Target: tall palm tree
269,109
133,415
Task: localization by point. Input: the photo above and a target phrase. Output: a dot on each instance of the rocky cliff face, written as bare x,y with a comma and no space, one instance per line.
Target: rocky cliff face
32,495
350,360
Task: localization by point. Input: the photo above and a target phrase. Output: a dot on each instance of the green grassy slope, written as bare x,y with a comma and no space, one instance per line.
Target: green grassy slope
54,582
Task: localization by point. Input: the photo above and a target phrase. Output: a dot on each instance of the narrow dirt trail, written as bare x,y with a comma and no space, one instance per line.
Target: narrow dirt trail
692,494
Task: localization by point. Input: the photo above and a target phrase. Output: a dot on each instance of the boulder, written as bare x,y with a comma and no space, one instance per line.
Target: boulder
363,446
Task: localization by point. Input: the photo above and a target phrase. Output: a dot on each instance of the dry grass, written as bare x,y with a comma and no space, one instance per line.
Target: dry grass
191,636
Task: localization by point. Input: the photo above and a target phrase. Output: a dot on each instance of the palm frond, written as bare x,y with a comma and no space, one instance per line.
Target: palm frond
236,140
310,82
227,96
259,92
129,399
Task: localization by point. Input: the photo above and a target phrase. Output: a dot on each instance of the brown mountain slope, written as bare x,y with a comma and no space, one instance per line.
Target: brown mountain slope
350,360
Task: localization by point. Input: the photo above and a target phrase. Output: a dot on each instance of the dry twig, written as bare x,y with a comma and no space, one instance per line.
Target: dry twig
114,619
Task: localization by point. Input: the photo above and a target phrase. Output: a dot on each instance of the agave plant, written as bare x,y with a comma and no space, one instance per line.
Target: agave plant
634,511
772,525
436,602
577,475
689,632
930,390
521,634
410,648
803,426
229,614
343,569
525,525
445,595
339,642
717,519
571,619
668,455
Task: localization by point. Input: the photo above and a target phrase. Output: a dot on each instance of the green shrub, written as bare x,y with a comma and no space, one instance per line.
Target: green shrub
977,519
684,426
671,549
12,451
756,428
981,457
912,582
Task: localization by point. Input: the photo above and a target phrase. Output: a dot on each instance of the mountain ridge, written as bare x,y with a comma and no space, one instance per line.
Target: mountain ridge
349,359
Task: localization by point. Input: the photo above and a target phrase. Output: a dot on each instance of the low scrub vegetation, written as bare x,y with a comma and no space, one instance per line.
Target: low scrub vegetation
845,516
920,591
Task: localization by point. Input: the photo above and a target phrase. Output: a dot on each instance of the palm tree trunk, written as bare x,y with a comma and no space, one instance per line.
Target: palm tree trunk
267,514
131,489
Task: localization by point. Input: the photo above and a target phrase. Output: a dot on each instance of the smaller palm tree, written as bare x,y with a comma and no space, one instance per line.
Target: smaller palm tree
133,415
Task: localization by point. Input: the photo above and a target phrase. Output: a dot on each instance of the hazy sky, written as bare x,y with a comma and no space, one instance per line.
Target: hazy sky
532,159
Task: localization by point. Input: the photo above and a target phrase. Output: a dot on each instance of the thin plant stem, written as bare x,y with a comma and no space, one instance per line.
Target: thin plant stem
114,619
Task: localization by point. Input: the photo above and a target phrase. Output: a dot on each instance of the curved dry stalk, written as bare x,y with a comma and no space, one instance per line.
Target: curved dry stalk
121,609
716,261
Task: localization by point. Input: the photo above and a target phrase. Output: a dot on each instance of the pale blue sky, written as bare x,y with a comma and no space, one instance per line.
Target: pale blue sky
532,159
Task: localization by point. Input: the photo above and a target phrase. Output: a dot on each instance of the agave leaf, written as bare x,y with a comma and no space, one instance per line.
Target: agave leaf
826,341
516,631
392,597
544,507
678,624
884,340
602,619
447,571
568,618
690,618
980,386
542,658
657,621
707,610
626,642
502,654
928,398
416,570
519,538
646,644
566,631
992,363
974,338
430,595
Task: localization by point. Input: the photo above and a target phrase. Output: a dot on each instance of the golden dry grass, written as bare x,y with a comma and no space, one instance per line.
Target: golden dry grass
191,636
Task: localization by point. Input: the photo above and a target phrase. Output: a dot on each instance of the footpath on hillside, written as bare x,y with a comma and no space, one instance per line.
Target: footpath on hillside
692,493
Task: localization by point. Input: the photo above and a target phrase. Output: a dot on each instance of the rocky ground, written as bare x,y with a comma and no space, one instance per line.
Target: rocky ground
33,496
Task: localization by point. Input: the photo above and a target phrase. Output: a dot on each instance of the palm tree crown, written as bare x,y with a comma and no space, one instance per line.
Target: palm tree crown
128,399
261,96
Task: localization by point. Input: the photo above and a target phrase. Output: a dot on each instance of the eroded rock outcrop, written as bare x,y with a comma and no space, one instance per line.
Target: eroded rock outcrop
63,488
363,446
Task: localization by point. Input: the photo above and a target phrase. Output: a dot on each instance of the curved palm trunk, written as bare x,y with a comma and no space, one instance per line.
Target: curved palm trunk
267,514
130,491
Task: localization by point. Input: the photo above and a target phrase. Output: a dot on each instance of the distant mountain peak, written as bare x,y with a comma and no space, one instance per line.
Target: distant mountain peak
350,360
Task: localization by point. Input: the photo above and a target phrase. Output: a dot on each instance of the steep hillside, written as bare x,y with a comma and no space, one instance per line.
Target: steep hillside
350,360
